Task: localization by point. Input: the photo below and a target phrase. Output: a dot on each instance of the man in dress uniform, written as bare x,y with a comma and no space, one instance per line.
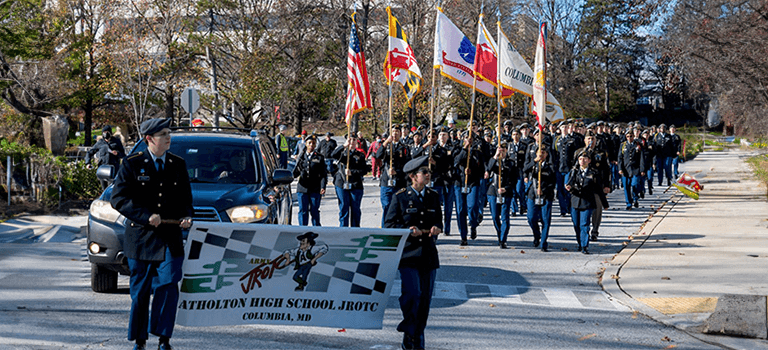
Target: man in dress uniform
399,154
540,197
443,176
349,182
631,168
598,161
152,191
469,176
417,208
501,164
517,154
565,147
311,169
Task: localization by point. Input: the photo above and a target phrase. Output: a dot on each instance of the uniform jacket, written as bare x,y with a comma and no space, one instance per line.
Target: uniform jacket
584,187
509,175
325,147
357,167
566,147
312,173
401,156
476,164
548,179
140,191
442,170
631,159
517,153
408,209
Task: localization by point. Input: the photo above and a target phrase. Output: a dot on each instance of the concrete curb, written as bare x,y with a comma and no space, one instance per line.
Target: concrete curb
693,324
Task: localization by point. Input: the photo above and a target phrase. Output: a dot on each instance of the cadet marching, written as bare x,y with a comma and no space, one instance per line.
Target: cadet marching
506,171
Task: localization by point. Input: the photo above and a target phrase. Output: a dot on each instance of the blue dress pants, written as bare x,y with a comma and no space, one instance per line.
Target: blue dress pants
158,278
447,197
385,195
309,204
417,286
466,204
543,214
563,196
631,189
520,197
349,206
581,220
500,215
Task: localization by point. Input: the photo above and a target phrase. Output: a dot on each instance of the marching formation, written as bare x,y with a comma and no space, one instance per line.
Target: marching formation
575,167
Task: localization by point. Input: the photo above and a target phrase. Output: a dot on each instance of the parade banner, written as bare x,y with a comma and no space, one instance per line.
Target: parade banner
237,274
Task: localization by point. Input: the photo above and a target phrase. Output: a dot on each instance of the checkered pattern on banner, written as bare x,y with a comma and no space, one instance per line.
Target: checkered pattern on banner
342,264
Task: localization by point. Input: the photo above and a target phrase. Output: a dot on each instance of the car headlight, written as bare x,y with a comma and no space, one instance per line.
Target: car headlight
248,213
102,210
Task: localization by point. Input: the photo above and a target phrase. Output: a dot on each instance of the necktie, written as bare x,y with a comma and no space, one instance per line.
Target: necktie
159,164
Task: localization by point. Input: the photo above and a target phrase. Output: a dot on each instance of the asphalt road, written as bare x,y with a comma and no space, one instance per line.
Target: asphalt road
485,298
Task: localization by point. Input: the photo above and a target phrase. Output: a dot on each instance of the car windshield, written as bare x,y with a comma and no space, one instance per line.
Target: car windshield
219,164
225,163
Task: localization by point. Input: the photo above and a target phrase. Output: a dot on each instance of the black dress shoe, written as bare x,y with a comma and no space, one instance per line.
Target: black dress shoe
544,249
164,346
642,195
629,208
473,233
650,190
504,245
579,249
562,215
463,242
585,251
446,234
636,204
536,242
593,237
140,347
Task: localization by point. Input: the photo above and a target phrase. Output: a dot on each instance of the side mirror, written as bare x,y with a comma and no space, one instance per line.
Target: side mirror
106,173
282,177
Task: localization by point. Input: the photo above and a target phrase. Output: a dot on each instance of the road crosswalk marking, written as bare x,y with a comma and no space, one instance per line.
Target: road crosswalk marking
544,296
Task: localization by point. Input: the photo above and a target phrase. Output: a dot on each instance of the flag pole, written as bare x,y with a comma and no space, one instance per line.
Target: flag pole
349,123
499,90
541,110
472,112
432,101
391,182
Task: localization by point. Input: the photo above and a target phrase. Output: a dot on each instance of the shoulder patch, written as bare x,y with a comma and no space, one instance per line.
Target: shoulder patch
401,191
430,190
135,155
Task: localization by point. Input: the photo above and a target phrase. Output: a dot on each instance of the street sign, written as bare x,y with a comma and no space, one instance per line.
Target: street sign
190,100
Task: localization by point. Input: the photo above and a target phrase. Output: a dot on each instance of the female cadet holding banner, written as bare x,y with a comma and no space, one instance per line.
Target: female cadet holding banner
500,209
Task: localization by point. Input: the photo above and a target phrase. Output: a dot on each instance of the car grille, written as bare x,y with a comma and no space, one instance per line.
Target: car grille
206,214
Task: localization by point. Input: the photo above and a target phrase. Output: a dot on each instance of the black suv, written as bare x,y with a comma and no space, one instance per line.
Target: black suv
234,178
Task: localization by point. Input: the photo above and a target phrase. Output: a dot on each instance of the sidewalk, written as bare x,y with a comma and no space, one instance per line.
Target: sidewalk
691,255
43,228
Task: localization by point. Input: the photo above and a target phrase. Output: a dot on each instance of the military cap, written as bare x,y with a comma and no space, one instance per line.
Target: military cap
417,133
560,124
629,131
106,128
600,122
584,153
591,126
507,122
662,126
154,125
524,125
329,134
672,126
415,163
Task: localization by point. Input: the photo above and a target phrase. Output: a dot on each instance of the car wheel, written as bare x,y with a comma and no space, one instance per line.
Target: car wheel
102,279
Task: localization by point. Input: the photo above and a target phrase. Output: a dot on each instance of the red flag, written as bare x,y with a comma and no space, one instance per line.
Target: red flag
358,89
486,59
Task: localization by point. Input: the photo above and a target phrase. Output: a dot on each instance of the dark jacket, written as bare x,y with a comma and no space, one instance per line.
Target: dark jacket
509,175
442,170
103,151
312,173
584,187
477,163
407,210
326,147
140,191
357,167
548,179
631,159
401,156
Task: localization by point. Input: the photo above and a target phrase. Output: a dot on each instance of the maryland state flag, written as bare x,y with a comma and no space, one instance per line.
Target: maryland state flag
689,186
400,64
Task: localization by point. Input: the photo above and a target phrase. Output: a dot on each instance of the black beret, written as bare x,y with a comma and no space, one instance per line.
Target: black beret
152,126
106,128
415,163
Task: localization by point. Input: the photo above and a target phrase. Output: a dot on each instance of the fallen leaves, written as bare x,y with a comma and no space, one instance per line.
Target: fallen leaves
666,278
342,330
492,305
666,338
634,314
587,337
522,252
615,277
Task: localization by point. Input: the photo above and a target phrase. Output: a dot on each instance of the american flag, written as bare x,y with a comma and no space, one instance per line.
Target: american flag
359,92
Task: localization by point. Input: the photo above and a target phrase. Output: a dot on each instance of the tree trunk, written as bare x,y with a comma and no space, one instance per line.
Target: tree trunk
88,120
169,102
